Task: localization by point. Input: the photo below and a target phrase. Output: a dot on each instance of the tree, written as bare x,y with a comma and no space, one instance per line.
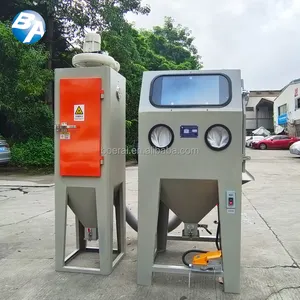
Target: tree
168,47
173,46
23,114
23,80
67,21
74,17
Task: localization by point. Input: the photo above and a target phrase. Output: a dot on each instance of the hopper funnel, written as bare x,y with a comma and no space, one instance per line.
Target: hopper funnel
190,199
82,201
246,176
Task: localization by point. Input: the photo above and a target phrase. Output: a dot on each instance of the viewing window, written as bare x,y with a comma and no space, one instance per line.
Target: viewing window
190,90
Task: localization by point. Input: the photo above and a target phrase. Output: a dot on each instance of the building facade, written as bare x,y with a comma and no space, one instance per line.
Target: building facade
287,109
259,110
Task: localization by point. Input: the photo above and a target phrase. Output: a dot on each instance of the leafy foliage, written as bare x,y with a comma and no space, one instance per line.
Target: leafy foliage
168,47
171,47
23,81
27,70
73,18
33,153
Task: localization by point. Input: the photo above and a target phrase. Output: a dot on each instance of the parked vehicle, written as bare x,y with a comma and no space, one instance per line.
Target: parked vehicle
254,138
295,148
275,142
4,152
248,137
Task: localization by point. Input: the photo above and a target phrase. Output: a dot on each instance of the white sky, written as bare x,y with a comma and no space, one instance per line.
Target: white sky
260,37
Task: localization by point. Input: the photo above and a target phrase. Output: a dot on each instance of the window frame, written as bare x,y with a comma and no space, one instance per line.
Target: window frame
297,103
281,106
190,105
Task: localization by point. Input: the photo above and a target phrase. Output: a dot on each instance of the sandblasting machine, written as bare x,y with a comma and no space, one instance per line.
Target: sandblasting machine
90,157
191,159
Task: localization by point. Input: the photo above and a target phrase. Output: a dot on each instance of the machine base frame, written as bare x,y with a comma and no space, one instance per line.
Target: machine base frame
176,269
86,270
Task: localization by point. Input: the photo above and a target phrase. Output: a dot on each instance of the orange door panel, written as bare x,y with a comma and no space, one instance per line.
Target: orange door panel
80,108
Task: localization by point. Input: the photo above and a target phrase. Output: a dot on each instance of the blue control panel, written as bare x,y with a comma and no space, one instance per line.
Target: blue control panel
188,131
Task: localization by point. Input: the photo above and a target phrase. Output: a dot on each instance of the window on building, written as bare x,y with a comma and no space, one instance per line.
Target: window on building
249,108
297,104
282,109
298,130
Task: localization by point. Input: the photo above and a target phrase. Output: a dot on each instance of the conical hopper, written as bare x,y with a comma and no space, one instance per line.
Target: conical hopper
247,177
190,199
82,202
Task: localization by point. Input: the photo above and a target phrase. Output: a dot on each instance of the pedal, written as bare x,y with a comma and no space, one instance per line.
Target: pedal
207,260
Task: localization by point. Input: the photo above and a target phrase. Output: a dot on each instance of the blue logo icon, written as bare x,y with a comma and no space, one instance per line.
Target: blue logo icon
28,27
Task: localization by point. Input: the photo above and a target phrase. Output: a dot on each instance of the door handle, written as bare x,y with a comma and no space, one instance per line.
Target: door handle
63,127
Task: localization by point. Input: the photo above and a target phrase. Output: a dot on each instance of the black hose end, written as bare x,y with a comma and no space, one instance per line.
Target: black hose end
188,252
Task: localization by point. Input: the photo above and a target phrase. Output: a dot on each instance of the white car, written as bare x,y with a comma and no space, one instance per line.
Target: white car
254,138
248,138
295,148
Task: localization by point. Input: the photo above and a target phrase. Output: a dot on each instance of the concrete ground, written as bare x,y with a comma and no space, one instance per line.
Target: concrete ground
270,242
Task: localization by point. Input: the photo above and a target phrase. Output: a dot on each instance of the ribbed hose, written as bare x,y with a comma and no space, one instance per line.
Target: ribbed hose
133,223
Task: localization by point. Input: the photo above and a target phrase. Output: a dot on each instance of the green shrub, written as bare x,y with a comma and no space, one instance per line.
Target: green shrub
131,139
33,153
40,153
131,133
130,153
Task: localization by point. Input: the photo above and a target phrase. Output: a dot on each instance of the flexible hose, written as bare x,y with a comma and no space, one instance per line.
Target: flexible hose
217,237
201,251
188,252
133,223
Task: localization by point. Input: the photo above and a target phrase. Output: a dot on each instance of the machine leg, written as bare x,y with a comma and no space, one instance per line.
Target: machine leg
230,231
61,202
80,241
123,217
162,227
120,218
117,210
105,229
149,192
